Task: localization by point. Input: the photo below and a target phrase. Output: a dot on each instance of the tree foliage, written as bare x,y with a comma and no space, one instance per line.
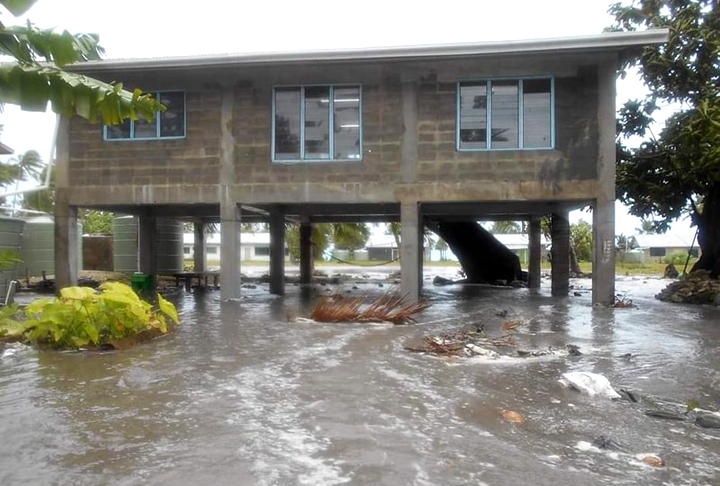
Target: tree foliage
581,238
677,171
96,222
506,227
37,76
647,227
81,317
345,236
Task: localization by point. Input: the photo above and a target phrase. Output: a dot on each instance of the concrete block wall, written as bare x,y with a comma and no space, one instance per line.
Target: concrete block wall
443,174
382,129
192,160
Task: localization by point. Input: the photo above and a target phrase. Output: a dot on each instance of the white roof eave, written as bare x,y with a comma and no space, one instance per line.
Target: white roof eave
609,41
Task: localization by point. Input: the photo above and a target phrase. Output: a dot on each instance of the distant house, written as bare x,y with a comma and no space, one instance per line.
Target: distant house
520,244
384,248
657,247
254,247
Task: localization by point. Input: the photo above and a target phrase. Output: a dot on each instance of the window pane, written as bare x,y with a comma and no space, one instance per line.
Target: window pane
536,113
347,123
118,131
317,122
473,116
144,129
172,121
287,124
504,109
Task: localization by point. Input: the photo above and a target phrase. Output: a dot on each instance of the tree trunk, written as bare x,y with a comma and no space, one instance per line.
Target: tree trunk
574,264
708,223
483,258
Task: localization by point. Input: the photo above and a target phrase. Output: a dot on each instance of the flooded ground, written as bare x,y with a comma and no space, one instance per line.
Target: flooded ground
245,394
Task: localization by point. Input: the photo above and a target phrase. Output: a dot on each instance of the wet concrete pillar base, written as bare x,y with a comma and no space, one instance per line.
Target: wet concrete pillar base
230,279
560,261
277,253
411,251
199,255
306,253
535,237
66,248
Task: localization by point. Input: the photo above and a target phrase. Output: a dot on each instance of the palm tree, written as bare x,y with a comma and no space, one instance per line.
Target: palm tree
29,166
505,227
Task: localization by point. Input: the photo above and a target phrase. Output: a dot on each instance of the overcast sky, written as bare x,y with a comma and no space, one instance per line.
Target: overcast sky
161,28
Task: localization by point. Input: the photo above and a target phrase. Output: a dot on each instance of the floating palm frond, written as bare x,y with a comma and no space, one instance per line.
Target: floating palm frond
389,307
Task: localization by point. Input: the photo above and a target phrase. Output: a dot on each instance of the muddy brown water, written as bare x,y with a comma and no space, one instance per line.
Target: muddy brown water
239,396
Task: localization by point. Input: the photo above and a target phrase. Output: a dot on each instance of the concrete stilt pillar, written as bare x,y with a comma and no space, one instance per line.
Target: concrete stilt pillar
560,233
66,227
410,250
147,246
199,247
230,279
66,247
306,253
535,237
277,253
604,211
603,275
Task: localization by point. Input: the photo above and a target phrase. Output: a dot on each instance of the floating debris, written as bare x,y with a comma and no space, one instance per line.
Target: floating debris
605,443
512,416
510,325
652,460
590,383
708,420
622,302
664,414
475,343
389,307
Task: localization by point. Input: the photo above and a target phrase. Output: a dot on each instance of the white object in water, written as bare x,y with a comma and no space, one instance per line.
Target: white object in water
478,351
590,383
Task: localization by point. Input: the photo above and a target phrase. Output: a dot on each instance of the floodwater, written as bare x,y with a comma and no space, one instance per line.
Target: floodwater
243,394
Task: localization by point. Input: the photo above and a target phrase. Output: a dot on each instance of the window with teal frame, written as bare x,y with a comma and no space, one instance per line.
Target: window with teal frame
168,124
506,114
316,123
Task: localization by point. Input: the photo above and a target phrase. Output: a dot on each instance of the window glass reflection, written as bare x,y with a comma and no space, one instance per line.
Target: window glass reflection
536,113
145,129
473,116
172,121
504,110
317,122
347,123
118,131
287,124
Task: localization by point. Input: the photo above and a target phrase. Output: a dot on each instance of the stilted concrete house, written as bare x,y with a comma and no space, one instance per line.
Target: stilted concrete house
421,135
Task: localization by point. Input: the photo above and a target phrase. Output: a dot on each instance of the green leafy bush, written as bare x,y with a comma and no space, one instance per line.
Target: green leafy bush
678,258
83,317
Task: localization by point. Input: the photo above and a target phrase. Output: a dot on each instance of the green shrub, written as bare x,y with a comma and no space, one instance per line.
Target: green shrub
82,317
678,258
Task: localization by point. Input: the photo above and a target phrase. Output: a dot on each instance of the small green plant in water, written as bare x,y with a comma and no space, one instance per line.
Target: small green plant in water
83,317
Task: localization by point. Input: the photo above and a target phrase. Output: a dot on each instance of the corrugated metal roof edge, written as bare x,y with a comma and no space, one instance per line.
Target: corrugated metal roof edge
608,40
